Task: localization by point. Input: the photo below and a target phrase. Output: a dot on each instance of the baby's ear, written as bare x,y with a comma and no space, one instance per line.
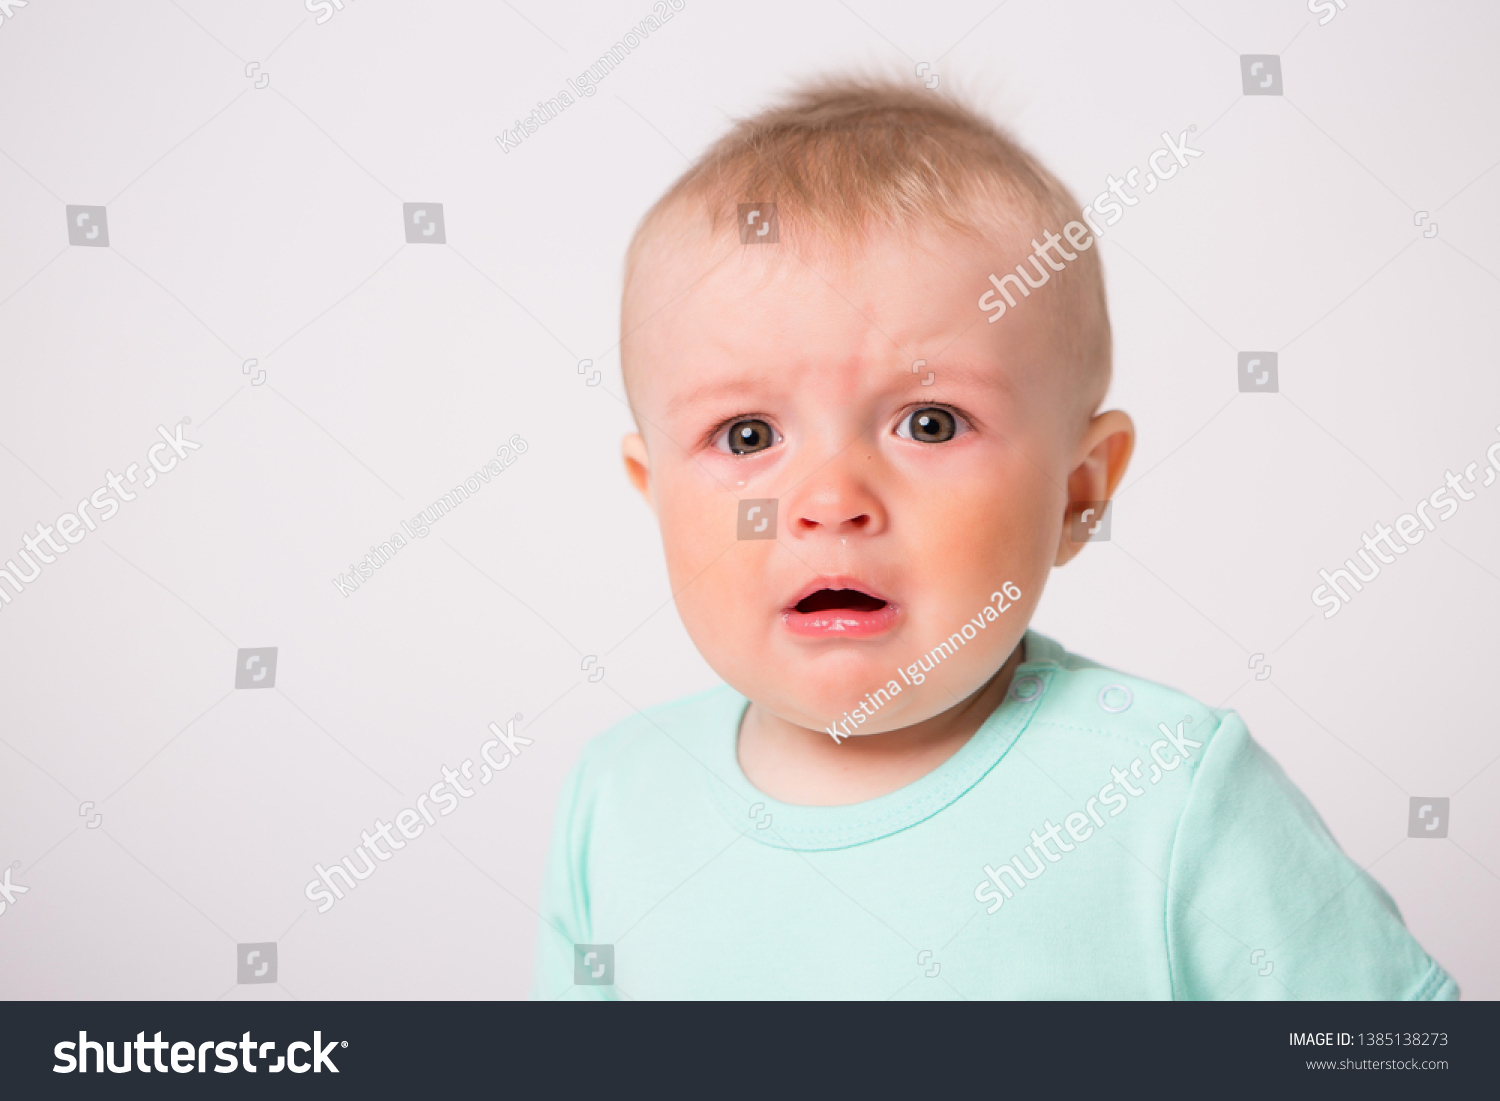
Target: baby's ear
1104,453
638,465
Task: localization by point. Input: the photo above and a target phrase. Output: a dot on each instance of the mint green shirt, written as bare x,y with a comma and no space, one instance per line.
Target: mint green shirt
1099,836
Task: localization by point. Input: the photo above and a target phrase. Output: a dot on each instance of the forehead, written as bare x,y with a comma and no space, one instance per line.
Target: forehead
704,308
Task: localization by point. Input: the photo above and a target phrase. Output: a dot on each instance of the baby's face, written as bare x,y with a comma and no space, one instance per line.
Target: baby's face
904,499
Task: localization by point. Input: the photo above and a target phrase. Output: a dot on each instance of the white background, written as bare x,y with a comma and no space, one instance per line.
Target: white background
266,223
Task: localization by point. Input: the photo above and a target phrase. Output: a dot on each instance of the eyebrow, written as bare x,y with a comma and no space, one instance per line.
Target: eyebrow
964,372
724,388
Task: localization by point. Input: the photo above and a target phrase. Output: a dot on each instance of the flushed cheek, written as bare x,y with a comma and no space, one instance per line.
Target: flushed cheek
972,558
968,536
719,580
1012,535
696,525
1017,516
728,617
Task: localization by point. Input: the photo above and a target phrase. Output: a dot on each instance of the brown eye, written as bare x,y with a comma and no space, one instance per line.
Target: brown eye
929,425
747,437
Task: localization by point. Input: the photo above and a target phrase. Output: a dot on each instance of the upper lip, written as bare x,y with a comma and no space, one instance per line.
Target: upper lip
838,582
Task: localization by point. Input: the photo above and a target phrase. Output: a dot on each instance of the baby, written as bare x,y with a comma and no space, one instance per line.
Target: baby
866,453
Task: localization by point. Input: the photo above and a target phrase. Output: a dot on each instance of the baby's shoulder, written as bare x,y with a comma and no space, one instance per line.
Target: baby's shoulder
1086,698
665,735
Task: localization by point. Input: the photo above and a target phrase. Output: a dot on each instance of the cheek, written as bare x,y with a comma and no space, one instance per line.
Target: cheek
710,569
718,585
995,524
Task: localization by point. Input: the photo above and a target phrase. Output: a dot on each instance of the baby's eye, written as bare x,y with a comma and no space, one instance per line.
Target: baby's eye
747,437
930,424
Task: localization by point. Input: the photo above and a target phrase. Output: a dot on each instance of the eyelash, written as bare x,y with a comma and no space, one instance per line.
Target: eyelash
719,432
962,423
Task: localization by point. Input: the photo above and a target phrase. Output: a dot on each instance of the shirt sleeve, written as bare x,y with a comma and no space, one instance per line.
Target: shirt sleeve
564,909
1262,904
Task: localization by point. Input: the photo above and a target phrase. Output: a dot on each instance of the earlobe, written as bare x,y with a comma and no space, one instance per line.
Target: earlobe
1067,549
638,465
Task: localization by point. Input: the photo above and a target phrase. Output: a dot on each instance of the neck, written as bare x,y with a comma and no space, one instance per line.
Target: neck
794,764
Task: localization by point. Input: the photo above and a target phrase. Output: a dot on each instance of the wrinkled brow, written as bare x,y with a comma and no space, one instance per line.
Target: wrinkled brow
967,373
721,388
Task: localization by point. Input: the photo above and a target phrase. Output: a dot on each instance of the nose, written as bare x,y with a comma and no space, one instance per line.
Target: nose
834,502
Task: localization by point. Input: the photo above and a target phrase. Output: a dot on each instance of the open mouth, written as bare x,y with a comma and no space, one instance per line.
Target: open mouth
852,600
837,610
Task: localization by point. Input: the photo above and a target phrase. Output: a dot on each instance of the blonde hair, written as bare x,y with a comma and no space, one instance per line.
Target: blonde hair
845,157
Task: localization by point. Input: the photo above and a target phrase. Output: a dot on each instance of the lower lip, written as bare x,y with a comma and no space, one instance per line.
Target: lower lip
840,623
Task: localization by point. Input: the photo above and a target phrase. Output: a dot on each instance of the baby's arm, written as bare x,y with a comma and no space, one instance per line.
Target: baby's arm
564,902
1263,904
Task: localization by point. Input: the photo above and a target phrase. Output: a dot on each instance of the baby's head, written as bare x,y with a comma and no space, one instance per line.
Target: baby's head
832,356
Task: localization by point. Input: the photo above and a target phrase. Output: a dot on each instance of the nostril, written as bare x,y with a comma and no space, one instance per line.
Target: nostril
828,516
857,523
854,524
